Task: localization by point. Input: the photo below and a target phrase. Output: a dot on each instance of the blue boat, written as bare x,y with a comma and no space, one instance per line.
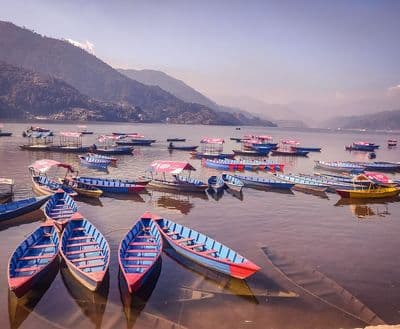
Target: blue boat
255,152
233,183
136,142
32,259
339,166
303,183
17,208
42,185
94,162
114,150
204,250
60,209
306,149
283,152
85,251
139,252
113,185
260,182
362,146
216,184
232,165
379,166
111,160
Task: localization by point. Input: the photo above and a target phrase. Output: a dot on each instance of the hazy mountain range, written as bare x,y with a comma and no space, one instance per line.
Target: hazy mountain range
385,120
99,81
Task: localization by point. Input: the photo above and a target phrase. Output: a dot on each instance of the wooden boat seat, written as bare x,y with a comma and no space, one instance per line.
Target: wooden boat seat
81,267
36,257
61,216
81,237
136,265
28,269
139,258
80,244
184,240
78,229
165,228
47,235
153,251
142,244
86,259
82,251
39,246
194,246
148,237
208,252
172,233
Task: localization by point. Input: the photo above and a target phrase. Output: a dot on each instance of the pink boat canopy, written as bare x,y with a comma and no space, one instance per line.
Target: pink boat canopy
44,165
103,138
208,140
378,177
363,143
72,134
170,167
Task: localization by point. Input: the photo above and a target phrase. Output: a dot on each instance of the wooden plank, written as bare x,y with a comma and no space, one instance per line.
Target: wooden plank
136,266
81,237
153,251
142,244
208,252
194,246
28,269
36,257
86,259
184,240
40,246
81,267
78,229
139,258
80,244
83,251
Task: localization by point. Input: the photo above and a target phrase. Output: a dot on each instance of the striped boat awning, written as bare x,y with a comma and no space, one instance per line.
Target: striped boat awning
6,181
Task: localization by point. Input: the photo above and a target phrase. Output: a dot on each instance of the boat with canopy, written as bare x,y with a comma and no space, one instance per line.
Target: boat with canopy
362,146
109,147
212,148
42,184
240,165
161,169
84,131
38,141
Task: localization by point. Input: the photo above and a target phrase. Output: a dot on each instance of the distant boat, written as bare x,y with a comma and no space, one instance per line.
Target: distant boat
171,146
108,185
83,130
252,152
204,250
3,133
20,207
392,142
32,259
289,152
85,251
139,252
233,182
370,193
176,139
261,182
362,146
94,162
216,184
339,166
306,149
112,150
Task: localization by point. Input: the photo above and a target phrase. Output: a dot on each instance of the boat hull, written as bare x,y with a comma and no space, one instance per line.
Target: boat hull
25,209
261,183
370,194
171,186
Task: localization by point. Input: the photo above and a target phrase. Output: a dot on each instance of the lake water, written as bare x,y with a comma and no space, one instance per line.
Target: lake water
356,245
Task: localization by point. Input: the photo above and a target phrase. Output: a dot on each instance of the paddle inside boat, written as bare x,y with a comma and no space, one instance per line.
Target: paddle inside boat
85,251
32,259
204,250
139,252
60,209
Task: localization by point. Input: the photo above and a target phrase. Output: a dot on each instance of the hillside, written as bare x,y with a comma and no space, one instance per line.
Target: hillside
386,120
183,91
25,94
92,77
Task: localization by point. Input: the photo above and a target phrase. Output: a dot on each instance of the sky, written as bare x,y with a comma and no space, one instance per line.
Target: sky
317,57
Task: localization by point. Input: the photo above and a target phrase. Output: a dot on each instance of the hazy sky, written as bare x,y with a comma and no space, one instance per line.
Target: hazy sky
323,55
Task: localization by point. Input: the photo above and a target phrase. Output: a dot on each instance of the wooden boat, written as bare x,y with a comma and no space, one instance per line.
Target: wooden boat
83,130
260,182
204,250
331,183
20,207
111,185
136,142
5,134
176,181
289,152
306,149
233,183
94,162
83,189
233,165
206,155
362,146
339,166
255,152
139,252
176,139
171,146
378,166
216,184
85,251
43,185
117,150
112,160
371,192
32,259
392,142
60,208
303,182
236,139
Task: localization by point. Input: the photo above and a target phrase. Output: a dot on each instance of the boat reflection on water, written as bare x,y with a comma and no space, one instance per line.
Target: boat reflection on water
235,194
20,308
134,304
363,208
135,197
92,304
179,201
96,202
34,216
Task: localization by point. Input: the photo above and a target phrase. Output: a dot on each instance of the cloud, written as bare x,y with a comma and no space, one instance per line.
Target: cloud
86,45
393,91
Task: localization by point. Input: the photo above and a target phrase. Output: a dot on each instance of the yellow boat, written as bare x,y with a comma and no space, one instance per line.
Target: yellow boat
90,193
370,193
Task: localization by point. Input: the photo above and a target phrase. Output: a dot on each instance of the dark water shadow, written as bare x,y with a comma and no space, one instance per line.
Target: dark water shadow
215,195
20,308
270,189
167,202
34,216
133,304
135,197
236,194
96,202
92,304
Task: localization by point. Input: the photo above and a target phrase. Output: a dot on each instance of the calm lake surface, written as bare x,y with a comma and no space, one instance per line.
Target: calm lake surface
356,245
